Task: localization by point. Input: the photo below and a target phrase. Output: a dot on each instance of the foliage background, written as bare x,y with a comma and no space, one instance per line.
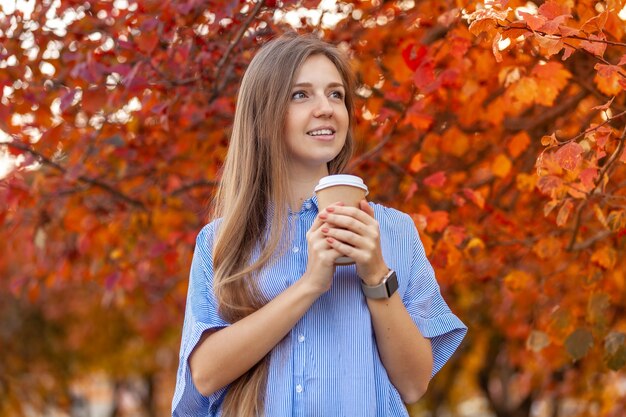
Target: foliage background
498,126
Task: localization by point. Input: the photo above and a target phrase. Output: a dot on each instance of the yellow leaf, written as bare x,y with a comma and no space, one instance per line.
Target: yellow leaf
474,246
548,247
526,182
525,90
501,166
517,280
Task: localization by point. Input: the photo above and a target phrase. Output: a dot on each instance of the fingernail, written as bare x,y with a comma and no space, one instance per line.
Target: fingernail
330,209
340,204
324,229
323,215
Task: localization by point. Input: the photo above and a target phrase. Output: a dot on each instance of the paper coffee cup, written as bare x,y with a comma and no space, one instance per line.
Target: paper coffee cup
349,189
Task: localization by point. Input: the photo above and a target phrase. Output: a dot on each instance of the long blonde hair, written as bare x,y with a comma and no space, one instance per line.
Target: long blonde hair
252,197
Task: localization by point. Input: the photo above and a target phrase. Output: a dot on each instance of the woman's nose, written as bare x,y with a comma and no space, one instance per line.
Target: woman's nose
323,107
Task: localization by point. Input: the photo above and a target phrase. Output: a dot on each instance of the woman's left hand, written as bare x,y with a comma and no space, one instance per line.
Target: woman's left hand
355,233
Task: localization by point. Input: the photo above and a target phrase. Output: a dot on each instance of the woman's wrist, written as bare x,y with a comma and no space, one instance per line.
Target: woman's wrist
375,277
310,287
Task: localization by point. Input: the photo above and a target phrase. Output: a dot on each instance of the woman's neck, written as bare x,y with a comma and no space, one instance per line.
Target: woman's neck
301,185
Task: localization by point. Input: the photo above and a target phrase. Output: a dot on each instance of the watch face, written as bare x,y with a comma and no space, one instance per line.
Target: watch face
392,284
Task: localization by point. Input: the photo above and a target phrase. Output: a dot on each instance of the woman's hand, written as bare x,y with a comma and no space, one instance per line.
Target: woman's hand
355,233
320,266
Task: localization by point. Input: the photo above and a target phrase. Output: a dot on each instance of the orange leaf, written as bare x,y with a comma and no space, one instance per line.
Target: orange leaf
437,221
416,164
549,140
606,257
564,212
518,144
611,85
501,166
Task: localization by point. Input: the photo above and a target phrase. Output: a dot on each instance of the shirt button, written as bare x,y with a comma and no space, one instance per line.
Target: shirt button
299,388
307,205
301,338
295,249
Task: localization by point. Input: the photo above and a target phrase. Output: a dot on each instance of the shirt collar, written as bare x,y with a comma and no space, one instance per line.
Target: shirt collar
307,205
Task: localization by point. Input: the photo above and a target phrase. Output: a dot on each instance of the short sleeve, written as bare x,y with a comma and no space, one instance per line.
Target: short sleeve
201,314
428,309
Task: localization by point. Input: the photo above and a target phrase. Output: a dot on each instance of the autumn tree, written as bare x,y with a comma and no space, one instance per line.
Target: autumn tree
499,126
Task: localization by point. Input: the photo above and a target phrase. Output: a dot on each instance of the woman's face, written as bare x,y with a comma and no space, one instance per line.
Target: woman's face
317,117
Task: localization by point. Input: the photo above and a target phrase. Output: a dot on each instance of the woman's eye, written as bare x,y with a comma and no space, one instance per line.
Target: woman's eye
298,95
337,94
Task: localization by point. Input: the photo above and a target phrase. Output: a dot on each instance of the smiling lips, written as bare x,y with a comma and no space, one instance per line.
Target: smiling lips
324,133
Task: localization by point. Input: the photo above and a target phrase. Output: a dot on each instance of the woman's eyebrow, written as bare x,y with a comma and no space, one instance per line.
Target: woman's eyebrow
330,85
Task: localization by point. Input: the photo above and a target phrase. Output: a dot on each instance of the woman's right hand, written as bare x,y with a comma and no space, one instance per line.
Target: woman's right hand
320,266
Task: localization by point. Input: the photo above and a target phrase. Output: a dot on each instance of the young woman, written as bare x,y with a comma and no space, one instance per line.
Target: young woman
271,326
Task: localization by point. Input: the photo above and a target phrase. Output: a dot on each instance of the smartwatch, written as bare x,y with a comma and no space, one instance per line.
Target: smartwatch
385,289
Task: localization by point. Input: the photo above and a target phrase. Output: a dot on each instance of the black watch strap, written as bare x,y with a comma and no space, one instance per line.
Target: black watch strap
385,289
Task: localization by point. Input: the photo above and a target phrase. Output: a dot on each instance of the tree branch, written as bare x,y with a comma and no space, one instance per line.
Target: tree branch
579,210
233,43
195,184
92,181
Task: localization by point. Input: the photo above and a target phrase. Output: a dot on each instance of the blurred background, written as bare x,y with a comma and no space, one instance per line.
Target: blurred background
499,126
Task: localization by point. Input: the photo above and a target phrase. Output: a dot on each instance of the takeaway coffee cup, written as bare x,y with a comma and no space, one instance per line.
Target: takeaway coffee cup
348,189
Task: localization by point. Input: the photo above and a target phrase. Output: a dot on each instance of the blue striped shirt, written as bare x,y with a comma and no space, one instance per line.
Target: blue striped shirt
328,365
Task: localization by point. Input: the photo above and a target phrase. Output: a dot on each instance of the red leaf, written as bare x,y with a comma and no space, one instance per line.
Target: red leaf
67,99
567,52
411,191
549,184
424,77
569,156
475,197
567,31
94,100
551,10
535,22
588,177
596,48
414,55
436,180
605,106
622,60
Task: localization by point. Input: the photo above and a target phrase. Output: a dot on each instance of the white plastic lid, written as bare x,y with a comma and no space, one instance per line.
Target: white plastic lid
341,179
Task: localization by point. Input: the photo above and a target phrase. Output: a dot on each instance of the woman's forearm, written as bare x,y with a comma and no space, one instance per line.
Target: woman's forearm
405,353
222,356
